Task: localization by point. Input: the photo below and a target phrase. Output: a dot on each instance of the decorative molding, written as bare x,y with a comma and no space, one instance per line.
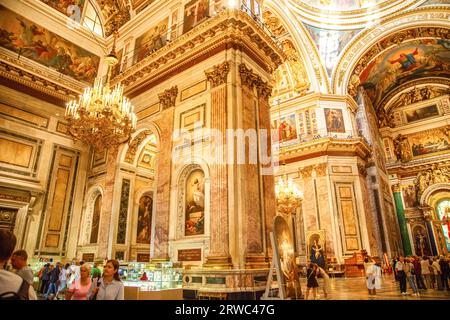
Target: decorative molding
168,97
134,145
228,29
393,99
218,74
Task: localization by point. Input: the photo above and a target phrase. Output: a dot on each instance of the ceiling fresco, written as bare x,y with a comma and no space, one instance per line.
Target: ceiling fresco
330,43
407,61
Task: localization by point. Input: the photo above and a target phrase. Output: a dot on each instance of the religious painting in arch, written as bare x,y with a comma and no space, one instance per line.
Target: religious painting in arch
195,12
443,210
315,245
144,219
96,219
195,203
334,119
405,62
421,241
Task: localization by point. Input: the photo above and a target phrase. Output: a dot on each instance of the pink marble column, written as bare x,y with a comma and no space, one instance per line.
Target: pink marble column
219,231
106,224
165,123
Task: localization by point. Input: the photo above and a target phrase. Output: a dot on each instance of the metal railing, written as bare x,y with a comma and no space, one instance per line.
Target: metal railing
160,40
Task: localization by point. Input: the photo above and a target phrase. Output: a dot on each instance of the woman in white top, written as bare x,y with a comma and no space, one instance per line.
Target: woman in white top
109,286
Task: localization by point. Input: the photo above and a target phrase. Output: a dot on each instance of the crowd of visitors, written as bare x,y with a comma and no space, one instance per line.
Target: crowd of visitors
426,273
76,281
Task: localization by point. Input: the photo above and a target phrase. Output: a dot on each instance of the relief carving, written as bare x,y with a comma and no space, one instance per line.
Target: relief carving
396,188
168,97
218,74
431,176
252,80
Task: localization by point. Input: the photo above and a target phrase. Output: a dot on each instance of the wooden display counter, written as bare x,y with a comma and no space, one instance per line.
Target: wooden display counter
134,293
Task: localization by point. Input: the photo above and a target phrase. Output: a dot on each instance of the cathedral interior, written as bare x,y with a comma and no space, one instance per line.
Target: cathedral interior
355,94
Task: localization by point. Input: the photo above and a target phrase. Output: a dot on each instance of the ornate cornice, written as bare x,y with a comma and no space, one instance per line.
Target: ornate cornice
37,78
327,146
218,74
412,169
228,29
168,97
395,97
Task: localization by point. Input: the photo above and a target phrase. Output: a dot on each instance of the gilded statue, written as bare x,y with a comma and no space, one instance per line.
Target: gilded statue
402,149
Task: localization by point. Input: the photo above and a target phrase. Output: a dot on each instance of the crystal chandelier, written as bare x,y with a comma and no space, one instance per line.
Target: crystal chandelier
102,117
289,197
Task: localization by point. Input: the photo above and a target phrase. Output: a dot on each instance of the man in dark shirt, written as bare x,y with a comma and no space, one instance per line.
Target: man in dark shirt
445,272
53,278
418,273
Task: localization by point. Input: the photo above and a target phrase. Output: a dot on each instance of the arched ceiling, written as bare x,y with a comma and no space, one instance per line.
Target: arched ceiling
401,58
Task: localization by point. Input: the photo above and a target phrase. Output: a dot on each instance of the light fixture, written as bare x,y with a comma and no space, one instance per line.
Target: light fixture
289,197
102,117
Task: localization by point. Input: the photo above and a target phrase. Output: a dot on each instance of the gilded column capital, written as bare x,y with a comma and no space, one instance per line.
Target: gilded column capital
305,172
362,170
168,97
218,74
264,90
248,78
321,169
395,187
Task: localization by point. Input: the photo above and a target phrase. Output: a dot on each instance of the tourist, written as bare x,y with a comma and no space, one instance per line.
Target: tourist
311,281
110,287
437,273
378,276
44,276
401,275
445,272
96,273
64,274
410,275
12,286
326,282
418,273
426,274
80,289
370,275
19,263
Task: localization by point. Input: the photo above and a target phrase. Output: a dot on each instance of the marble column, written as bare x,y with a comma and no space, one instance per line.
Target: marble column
252,184
401,220
107,226
268,182
219,255
167,100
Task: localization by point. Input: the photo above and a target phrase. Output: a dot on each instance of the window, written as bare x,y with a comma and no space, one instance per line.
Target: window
92,20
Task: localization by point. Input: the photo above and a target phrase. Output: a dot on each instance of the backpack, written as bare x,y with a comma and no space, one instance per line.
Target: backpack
22,294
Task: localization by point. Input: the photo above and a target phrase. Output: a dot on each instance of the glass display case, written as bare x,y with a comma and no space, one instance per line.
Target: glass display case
151,277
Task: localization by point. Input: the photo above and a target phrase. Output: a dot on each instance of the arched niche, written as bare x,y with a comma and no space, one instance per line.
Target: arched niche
193,198
92,217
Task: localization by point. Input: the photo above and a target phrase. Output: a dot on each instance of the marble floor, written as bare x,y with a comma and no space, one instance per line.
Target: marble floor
355,289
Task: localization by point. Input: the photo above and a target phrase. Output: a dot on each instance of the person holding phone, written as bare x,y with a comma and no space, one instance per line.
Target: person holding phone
109,287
